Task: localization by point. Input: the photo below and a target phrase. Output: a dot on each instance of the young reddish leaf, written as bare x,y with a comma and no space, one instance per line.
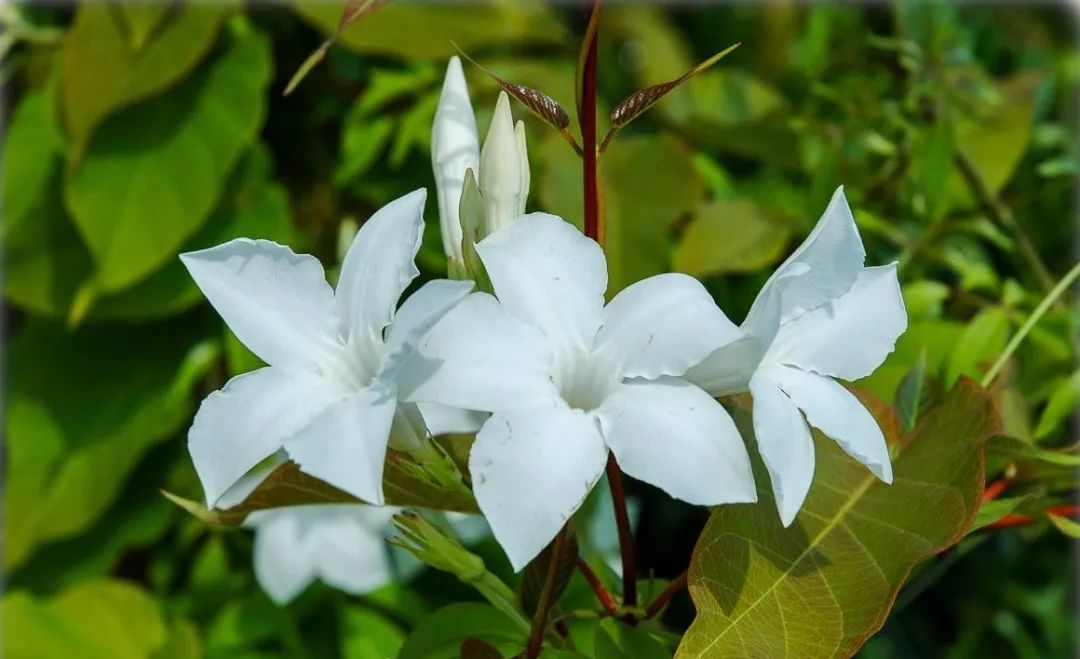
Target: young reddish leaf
537,101
635,104
353,10
475,648
536,572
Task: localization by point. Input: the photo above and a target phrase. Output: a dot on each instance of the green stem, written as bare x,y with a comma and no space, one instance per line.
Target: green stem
1022,333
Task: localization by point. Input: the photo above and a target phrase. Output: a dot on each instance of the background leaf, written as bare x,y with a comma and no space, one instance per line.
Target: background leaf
760,588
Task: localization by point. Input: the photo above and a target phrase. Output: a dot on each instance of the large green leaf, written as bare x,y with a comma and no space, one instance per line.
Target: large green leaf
31,149
648,183
821,587
730,236
430,30
114,57
94,620
82,409
440,635
152,173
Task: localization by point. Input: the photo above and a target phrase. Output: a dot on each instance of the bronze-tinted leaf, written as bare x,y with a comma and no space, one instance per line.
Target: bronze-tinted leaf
635,104
475,648
405,483
537,101
536,573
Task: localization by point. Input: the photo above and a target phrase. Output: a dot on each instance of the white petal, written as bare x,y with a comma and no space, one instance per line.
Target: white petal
836,412
851,336
443,420
379,266
500,169
346,444
822,268
423,309
785,445
276,302
548,274
352,553
248,420
675,436
531,469
455,147
661,326
478,357
284,565
729,369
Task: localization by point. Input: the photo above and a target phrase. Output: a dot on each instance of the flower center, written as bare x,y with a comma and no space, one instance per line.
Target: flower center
583,383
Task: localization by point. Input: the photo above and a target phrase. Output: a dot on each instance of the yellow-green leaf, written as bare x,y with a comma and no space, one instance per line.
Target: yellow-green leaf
730,236
822,586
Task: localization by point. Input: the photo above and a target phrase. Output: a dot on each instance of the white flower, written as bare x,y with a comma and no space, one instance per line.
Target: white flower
501,168
820,315
552,363
329,394
343,545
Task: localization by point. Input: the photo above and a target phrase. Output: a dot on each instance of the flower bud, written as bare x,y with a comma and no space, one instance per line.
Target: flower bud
454,149
501,169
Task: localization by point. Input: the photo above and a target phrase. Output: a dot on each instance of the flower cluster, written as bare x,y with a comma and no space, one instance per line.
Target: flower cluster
554,380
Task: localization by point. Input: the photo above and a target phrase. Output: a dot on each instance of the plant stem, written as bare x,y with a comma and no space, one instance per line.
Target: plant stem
1003,217
602,594
1038,313
587,119
1013,519
663,598
626,538
543,607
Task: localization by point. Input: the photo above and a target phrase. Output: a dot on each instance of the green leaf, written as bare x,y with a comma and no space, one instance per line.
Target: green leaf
992,511
1061,405
366,634
440,635
167,159
94,620
475,648
1070,528
982,340
80,414
934,159
730,236
996,143
253,207
617,640
102,69
924,298
31,156
760,588
918,392
1012,448
429,31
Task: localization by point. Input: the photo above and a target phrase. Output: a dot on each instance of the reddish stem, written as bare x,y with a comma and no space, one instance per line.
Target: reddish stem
587,118
994,490
602,594
626,537
663,598
1013,519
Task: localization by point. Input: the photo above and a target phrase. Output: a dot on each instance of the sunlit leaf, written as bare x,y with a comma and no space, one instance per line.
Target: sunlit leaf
167,159
760,587
427,30
100,71
94,620
730,236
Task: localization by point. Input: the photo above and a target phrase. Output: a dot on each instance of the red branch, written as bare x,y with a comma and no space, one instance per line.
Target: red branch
602,594
663,598
1013,519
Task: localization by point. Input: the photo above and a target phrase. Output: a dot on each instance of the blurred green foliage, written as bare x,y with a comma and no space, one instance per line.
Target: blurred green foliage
136,132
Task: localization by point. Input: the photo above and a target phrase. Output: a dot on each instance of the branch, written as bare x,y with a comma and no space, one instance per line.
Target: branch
663,598
543,607
602,594
626,537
